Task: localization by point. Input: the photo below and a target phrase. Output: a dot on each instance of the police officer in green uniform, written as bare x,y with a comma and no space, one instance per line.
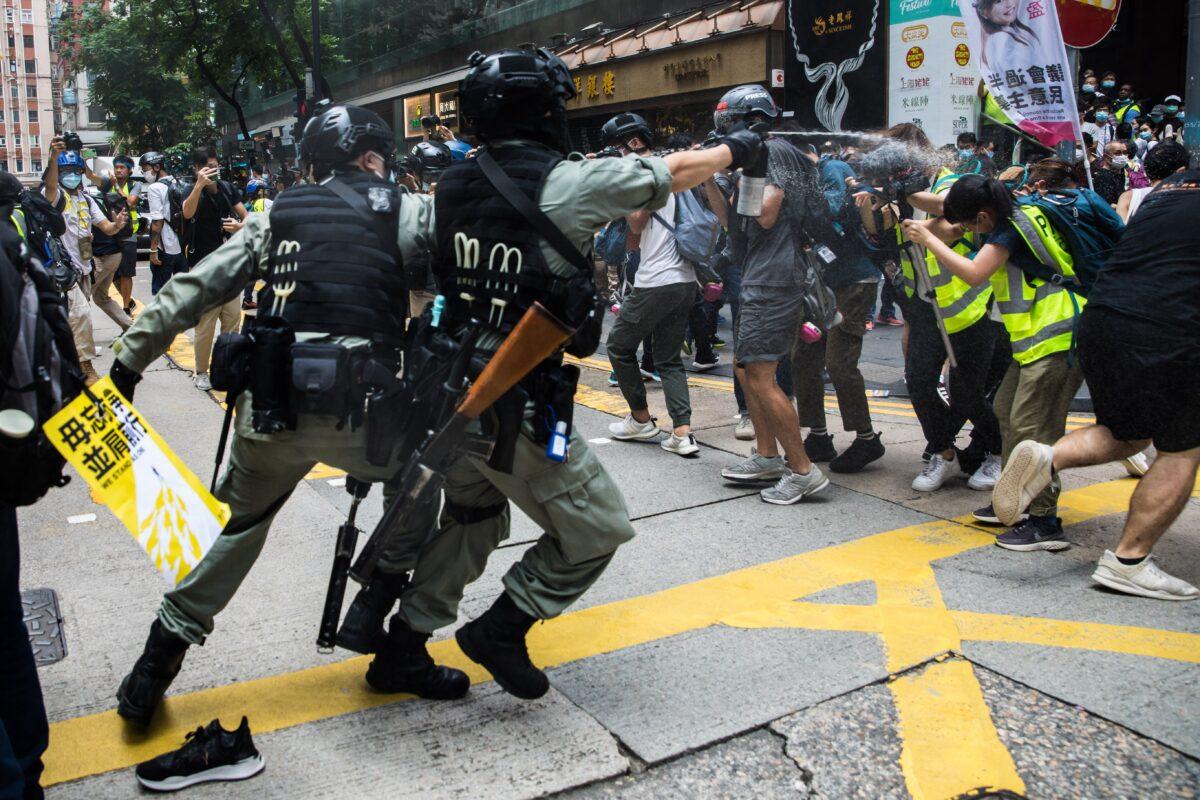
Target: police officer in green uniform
331,253
515,101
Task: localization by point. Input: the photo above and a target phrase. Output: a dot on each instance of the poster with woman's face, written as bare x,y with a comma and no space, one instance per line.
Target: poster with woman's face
1024,63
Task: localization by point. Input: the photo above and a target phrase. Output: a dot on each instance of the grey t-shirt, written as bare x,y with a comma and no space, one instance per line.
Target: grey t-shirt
771,257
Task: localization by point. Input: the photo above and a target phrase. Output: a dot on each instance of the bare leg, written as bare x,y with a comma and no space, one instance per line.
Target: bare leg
764,443
777,414
125,289
1157,501
1093,445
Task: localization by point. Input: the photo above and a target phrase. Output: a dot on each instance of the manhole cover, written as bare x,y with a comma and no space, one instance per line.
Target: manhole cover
44,623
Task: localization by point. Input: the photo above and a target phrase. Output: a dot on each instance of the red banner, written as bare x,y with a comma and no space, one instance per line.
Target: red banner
1086,22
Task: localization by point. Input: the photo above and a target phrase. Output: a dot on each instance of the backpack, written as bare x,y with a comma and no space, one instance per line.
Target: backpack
44,225
175,197
610,245
39,370
1090,228
699,237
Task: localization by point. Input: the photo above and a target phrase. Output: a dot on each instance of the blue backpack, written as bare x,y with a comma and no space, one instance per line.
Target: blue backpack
610,245
698,234
1090,227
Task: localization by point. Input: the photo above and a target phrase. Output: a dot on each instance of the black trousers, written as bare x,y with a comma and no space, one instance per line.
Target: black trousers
24,732
983,353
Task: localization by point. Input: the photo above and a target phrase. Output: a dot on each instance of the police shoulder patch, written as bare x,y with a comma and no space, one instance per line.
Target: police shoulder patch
381,199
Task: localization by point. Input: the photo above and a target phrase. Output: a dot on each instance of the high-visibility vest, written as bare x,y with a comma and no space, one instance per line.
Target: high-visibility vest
961,303
133,214
258,204
1040,316
18,220
1124,110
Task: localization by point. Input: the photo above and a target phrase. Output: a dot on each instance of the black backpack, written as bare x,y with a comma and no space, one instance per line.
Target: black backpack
39,370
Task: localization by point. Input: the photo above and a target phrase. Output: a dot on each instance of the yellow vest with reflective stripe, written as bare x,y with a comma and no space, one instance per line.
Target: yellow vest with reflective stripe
962,304
258,204
18,220
907,279
133,214
1039,316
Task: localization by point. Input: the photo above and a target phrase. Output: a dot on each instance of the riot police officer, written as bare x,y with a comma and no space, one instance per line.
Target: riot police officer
520,198
329,253
429,160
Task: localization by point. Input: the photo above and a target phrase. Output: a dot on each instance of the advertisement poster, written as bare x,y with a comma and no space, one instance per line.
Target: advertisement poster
132,471
834,63
933,69
1024,61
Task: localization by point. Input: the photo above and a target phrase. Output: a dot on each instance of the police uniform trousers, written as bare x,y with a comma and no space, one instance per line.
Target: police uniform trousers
261,474
576,504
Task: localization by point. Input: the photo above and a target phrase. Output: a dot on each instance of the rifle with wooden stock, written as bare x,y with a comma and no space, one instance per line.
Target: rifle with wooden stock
537,336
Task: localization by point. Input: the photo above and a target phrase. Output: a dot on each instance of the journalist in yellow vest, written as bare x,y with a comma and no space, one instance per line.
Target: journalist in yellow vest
1036,394
981,351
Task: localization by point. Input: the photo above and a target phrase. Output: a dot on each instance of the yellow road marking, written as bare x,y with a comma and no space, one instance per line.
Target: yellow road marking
950,744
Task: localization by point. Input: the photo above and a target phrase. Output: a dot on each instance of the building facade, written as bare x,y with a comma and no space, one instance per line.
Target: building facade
26,99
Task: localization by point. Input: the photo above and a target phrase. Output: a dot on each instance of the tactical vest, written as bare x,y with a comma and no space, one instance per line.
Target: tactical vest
1039,316
490,264
333,269
962,305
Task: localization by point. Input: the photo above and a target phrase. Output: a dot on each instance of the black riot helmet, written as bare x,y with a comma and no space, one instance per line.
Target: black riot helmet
623,127
342,133
152,159
517,93
429,160
746,104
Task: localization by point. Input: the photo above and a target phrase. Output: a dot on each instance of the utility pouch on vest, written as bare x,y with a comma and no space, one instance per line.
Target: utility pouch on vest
271,377
231,363
386,400
586,339
321,378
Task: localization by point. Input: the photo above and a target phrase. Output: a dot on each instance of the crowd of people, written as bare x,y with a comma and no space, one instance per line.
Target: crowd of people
1013,286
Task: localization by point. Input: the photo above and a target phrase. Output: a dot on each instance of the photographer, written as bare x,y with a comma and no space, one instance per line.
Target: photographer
208,212
910,166
1035,396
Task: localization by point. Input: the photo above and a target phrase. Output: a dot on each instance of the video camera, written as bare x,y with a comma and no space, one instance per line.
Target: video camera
72,141
430,121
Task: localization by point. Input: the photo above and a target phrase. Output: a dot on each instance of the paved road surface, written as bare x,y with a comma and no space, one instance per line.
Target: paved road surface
870,643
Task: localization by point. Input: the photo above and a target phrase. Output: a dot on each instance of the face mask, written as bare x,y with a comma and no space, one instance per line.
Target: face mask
965,152
1172,109
1156,117
1101,116
71,180
1078,153
1144,135
1120,162
1108,84
1179,115
148,174
1088,88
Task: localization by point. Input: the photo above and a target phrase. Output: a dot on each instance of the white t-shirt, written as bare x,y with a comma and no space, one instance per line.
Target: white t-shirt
80,213
160,208
660,264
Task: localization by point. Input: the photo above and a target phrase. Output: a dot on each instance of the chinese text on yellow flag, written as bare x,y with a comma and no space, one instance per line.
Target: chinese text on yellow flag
166,507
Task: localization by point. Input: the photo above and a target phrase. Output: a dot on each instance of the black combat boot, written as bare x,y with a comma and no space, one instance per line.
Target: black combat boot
402,664
144,686
362,629
497,641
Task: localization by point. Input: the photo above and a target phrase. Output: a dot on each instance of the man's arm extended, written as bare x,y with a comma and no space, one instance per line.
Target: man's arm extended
216,280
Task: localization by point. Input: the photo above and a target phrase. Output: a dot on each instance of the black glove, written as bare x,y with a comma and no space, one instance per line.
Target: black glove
745,144
125,379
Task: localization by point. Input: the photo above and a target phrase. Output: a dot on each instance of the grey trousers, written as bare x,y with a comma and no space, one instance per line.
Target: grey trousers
660,312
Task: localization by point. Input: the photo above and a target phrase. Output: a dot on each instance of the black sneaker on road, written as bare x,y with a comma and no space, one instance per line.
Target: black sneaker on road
820,448
1035,533
987,515
860,453
209,754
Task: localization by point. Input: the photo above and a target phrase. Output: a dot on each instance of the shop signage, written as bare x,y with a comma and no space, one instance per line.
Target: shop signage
690,69
934,72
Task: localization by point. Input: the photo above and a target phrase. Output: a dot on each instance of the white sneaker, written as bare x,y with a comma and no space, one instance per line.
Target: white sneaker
936,472
1145,579
630,430
984,479
1137,464
792,488
1027,472
681,445
744,432
700,366
757,469
202,382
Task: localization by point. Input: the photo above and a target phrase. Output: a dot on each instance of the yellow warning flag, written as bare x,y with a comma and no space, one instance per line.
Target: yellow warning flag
132,471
